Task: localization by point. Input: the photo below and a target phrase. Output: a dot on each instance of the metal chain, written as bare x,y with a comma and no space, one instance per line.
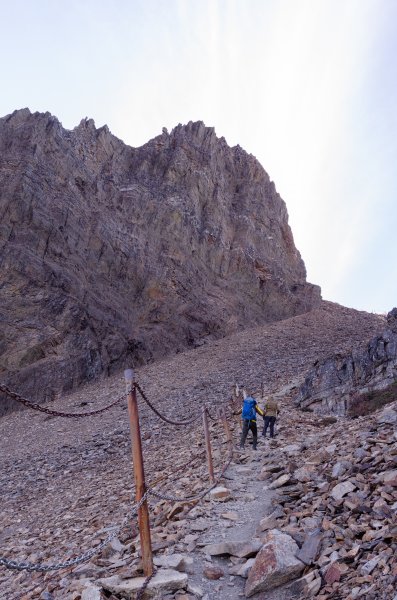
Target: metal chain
214,419
196,497
55,413
190,462
141,592
30,567
162,417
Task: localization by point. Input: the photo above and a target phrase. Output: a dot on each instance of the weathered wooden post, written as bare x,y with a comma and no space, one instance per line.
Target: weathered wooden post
236,403
208,445
226,427
235,392
139,474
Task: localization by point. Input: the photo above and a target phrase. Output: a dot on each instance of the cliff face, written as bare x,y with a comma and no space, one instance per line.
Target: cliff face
334,383
113,255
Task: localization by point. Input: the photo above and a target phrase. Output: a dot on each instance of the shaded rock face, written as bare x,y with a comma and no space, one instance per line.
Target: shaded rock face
112,255
332,383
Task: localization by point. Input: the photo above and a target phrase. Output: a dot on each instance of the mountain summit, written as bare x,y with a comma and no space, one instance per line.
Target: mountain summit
114,255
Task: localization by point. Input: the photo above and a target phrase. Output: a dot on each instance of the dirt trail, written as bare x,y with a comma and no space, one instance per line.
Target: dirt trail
250,502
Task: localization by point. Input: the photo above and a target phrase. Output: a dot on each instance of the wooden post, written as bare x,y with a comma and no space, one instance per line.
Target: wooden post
235,392
226,427
139,474
208,445
236,403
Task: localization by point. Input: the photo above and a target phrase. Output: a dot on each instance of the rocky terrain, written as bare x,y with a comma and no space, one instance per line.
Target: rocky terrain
110,253
317,504
340,380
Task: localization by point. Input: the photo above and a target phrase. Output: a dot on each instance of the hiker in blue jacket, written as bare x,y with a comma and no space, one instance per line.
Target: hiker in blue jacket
248,414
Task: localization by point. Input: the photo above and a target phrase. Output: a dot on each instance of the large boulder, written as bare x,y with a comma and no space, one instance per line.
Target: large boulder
275,564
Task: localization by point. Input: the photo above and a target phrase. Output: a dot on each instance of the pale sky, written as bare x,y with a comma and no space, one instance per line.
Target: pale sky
307,86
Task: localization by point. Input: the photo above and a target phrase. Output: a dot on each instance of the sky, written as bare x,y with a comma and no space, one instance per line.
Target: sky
309,87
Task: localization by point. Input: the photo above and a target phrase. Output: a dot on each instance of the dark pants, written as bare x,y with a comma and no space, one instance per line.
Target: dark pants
269,421
249,425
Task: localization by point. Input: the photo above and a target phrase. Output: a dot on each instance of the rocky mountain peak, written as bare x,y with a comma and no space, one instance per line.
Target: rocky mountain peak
113,254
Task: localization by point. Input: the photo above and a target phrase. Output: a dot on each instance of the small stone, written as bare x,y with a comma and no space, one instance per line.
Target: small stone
334,572
388,415
330,449
231,516
303,474
313,587
220,493
91,593
390,478
280,481
292,448
245,568
340,468
195,590
369,566
213,573
178,562
341,489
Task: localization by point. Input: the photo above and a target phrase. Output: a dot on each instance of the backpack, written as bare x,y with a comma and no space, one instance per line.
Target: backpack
249,411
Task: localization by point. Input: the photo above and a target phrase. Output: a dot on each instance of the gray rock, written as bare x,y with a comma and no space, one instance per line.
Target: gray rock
292,448
370,565
91,593
241,549
340,468
280,481
195,590
164,581
341,489
304,474
220,493
270,522
310,547
388,415
178,562
245,568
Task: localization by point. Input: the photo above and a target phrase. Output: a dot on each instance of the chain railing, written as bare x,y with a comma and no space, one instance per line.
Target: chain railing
196,497
31,567
150,491
18,398
161,416
191,461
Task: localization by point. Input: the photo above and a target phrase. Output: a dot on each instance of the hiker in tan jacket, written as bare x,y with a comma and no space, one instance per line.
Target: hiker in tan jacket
271,412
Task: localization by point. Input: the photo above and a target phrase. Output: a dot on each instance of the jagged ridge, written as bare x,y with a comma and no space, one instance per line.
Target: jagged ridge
112,254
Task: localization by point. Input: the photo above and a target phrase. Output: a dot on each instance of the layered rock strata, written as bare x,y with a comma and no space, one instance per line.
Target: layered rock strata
113,255
332,384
